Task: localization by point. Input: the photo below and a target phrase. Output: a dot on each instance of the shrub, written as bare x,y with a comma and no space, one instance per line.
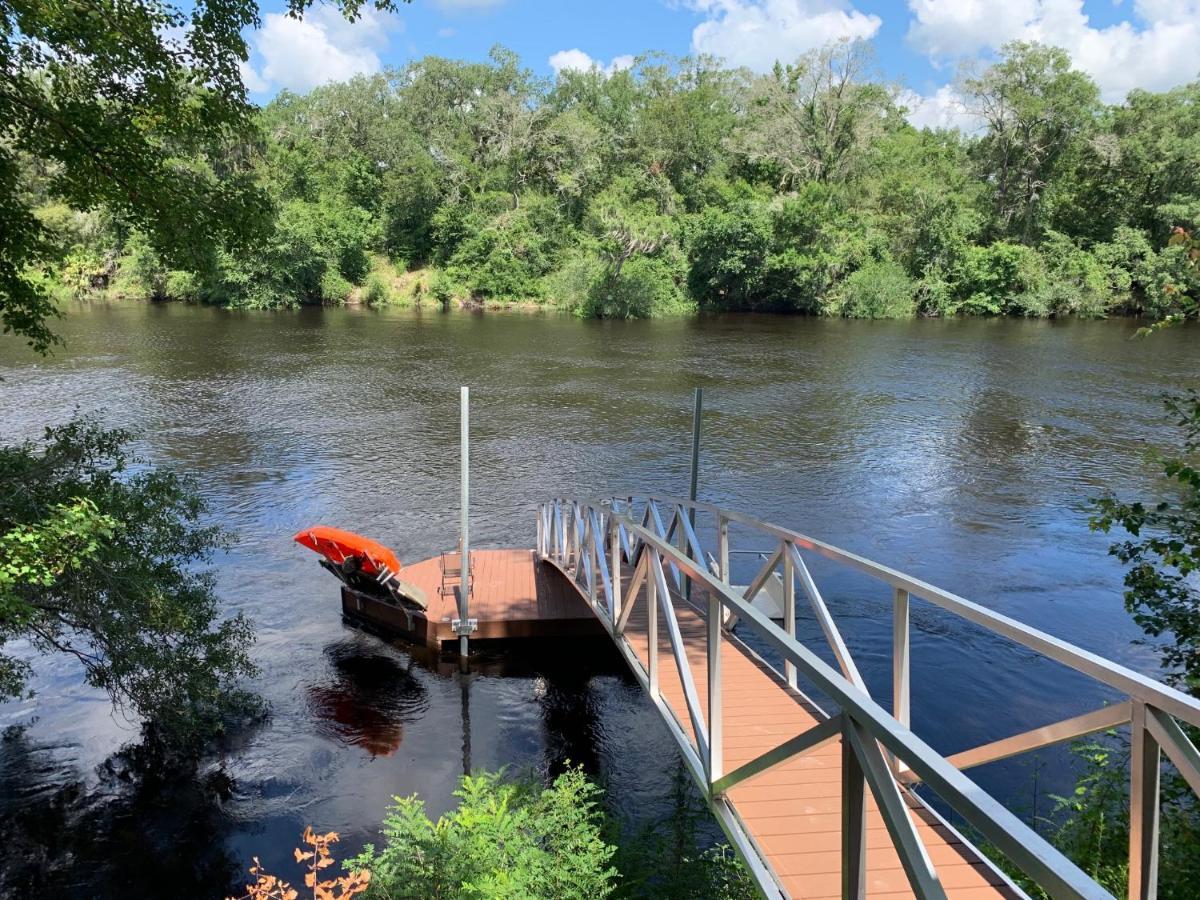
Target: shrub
376,291
334,287
316,860
879,290
504,260
572,285
1000,278
1076,282
508,838
647,286
727,252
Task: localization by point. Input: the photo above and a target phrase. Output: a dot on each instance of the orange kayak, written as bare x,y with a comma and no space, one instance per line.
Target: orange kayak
337,546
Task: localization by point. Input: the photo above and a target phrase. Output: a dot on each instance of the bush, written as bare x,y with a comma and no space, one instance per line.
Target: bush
508,838
572,285
727,253
1000,278
879,290
1076,282
647,286
504,260
376,291
334,287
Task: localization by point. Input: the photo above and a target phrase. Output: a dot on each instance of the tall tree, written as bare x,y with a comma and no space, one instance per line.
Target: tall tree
1036,107
814,120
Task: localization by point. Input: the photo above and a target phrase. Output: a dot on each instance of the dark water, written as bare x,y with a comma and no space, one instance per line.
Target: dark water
962,452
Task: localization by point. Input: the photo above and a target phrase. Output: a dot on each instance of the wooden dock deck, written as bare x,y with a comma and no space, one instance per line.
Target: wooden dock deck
793,812
511,597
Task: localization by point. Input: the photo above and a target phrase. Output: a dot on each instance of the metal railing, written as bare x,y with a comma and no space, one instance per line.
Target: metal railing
595,543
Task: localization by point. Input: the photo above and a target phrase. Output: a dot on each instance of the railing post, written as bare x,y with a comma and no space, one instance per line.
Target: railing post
1145,760
593,563
615,531
789,608
854,821
723,548
901,687
716,760
652,624
540,534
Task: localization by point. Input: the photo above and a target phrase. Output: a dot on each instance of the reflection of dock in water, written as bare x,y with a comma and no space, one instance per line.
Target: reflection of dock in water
369,701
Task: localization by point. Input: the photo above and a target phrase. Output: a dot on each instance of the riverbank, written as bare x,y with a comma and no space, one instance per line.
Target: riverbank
870,295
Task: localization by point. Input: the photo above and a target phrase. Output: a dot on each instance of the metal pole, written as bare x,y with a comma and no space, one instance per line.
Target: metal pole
691,513
464,588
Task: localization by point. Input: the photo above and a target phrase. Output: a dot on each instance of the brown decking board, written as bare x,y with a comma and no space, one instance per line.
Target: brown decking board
793,812
512,596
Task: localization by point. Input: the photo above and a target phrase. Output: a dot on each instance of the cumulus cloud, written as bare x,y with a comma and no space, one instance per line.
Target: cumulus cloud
1156,51
944,108
575,60
299,54
756,33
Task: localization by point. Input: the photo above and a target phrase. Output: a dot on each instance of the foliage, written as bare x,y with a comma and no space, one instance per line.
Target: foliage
271,887
1163,550
98,559
740,192
507,838
879,290
1036,107
136,107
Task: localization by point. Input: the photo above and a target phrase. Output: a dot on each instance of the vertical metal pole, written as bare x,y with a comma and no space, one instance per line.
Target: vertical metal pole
464,589
723,548
854,820
540,532
900,658
1143,808
691,511
716,729
901,689
652,623
789,608
615,529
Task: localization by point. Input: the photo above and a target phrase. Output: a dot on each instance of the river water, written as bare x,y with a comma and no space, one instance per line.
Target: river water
963,452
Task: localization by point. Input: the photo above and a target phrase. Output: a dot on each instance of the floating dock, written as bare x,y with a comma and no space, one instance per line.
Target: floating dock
512,596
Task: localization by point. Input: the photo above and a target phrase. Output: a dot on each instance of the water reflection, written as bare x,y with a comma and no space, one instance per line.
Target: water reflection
370,698
129,835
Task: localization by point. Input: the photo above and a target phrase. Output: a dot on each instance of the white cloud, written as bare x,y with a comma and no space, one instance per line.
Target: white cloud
944,108
575,60
446,32
1156,51
299,54
756,33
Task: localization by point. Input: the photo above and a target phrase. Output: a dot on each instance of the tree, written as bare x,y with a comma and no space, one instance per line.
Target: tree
815,119
100,562
1036,107
134,105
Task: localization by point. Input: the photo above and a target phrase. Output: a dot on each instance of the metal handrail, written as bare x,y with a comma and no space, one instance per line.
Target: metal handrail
646,543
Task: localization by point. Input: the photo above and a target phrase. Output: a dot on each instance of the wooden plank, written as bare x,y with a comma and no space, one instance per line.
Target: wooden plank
793,811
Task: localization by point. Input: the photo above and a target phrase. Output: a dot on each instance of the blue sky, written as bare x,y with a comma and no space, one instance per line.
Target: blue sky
920,43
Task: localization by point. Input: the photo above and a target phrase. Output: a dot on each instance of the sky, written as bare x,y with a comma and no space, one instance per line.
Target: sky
921,44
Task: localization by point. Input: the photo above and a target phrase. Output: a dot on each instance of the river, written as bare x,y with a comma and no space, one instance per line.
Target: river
962,452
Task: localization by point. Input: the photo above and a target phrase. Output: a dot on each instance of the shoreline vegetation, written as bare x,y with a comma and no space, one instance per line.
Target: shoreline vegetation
680,185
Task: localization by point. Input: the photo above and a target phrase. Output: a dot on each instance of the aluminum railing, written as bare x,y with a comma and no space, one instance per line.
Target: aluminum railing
596,542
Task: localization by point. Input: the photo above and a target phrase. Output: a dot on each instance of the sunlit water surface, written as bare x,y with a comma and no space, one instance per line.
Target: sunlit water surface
961,452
